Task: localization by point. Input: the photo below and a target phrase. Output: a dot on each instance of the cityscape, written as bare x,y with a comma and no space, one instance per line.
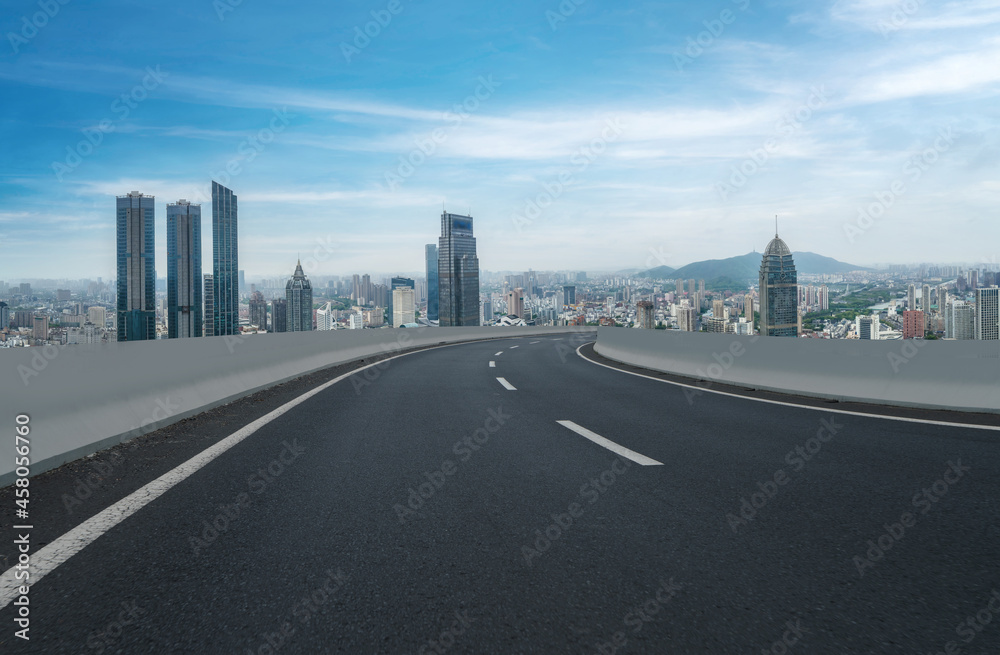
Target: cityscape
600,327
833,301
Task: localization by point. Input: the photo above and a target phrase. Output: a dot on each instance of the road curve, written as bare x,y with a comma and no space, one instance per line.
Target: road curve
435,503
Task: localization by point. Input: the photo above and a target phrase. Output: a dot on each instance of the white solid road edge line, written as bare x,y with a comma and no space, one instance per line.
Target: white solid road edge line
507,385
46,560
610,445
905,419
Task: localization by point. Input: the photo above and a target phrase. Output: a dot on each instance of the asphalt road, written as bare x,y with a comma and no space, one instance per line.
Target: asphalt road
423,506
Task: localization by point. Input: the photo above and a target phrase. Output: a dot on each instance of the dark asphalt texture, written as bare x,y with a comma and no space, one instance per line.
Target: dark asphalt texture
470,570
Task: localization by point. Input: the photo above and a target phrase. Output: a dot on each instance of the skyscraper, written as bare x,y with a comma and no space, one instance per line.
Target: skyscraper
298,295
644,309
184,282
209,301
925,299
515,302
778,291
136,307
403,306
258,310
569,295
431,259
988,313
911,297
458,272
279,315
225,262
397,283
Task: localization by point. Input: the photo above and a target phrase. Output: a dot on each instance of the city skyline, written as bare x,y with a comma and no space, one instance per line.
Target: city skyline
833,127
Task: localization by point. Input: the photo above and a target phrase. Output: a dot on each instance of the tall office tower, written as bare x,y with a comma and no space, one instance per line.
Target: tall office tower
5,315
242,282
686,317
431,260
778,281
569,295
298,295
403,306
398,283
974,279
515,302
719,308
258,310
225,262
963,320
913,324
379,296
184,281
209,300
458,272
911,297
645,310
326,318
988,314
279,315
487,310
136,310
925,299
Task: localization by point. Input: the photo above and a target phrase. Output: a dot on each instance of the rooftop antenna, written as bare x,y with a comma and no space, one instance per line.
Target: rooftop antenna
775,226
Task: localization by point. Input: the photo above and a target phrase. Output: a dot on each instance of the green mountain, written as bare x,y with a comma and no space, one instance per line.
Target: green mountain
747,267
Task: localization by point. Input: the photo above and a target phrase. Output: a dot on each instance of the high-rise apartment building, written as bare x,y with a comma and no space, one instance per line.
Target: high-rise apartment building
988,313
326,318
778,291
403,306
431,261
913,324
136,306
279,315
184,281
569,295
258,310
298,295
40,329
686,318
644,309
911,297
515,302
397,283
225,262
458,272
962,320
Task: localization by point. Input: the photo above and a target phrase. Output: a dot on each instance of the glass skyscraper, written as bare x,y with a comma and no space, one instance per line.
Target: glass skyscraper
184,281
431,257
136,307
778,291
458,272
298,296
225,262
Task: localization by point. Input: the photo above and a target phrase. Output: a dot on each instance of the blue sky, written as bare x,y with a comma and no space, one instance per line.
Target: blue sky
599,136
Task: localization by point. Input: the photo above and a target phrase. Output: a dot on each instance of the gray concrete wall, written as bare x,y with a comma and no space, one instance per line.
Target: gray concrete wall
957,375
83,398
